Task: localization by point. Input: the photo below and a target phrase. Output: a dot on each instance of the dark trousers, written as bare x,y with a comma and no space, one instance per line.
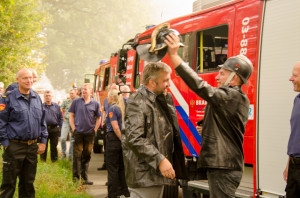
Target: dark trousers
19,160
83,145
115,167
223,183
293,181
53,135
104,143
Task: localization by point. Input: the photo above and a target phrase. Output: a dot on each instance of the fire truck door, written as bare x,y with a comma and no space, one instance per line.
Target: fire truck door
279,52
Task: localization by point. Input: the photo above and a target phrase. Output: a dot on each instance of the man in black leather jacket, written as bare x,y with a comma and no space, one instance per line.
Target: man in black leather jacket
226,115
152,148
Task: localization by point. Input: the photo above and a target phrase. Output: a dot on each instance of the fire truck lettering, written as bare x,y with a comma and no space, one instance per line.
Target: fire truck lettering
129,66
246,21
201,102
130,59
244,41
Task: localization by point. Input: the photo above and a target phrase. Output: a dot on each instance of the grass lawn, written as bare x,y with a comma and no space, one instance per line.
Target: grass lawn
54,180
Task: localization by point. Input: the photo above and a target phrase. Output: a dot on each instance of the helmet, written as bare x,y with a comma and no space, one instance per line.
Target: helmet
241,65
158,48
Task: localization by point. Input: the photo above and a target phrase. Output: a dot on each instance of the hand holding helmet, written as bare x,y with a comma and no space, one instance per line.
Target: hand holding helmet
158,48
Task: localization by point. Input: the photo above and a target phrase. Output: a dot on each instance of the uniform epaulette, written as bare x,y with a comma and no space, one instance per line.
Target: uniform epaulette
5,94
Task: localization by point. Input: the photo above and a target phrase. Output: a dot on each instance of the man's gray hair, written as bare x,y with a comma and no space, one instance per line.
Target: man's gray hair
48,92
124,88
153,70
89,85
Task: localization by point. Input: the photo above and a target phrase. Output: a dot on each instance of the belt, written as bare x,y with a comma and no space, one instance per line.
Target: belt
295,160
28,142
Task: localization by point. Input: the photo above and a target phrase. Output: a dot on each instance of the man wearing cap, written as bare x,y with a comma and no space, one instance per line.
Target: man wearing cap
226,115
22,124
291,173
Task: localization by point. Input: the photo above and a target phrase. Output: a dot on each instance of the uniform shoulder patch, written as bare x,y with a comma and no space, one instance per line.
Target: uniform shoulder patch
2,107
111,114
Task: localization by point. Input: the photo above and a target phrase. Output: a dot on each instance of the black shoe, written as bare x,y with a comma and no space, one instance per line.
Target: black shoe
87,182
102,168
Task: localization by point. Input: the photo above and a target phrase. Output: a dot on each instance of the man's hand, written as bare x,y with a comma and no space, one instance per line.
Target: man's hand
285,172
166,169
42,148
199,129
172,40
72,132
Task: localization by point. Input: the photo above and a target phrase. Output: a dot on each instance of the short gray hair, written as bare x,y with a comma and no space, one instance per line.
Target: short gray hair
124,88
153,70
49,92
89,85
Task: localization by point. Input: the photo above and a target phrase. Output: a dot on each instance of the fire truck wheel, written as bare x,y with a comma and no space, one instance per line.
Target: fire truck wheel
170,191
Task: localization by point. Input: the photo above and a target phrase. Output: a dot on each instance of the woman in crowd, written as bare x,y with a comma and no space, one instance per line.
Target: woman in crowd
114,158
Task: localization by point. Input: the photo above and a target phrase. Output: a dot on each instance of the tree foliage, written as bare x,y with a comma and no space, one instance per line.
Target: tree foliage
87,31
21,38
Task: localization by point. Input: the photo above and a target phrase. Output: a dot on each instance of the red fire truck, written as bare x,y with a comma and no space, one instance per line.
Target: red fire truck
267,32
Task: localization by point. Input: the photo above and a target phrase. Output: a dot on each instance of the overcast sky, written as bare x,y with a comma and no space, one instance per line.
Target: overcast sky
173,8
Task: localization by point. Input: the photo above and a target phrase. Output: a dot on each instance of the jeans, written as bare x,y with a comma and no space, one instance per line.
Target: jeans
83,146
66,128
147,192
223,182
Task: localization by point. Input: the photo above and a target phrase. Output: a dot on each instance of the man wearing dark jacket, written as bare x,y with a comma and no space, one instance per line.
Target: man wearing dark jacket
152,147
22,124
54,120
226,115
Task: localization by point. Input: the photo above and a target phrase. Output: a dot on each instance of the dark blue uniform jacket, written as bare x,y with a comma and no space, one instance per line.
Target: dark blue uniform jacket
21,119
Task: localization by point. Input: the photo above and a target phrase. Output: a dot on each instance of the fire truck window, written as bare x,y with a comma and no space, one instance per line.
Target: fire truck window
211,45
96,82
100,81
186,52
106,78
136,77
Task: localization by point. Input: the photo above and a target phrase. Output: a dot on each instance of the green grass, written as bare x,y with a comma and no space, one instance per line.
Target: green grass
54,180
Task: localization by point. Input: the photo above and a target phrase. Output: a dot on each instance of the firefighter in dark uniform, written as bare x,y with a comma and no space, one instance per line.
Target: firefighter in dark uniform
54,120
22,124
114,158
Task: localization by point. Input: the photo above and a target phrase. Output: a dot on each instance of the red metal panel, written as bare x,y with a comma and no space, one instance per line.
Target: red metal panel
130,66
245,42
